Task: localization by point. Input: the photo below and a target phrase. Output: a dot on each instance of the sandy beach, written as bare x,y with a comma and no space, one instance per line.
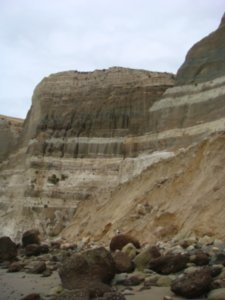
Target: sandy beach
14,286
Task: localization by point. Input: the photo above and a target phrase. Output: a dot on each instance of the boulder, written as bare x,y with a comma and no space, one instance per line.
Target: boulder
123,262
164,281
217,294
143,259
8,249
15,267
92,269
130,250
200,258
133,280
38,268
192,285
121,240
219,259
31,237
216,270
170,263
33,296
35,249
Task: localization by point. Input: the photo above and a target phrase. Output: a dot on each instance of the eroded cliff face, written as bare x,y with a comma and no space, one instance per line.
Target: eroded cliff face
73,145
10,130
181,195
122,149
89,114
205,60
177,197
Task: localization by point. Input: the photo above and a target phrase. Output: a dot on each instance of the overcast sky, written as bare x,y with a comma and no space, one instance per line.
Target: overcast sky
41,37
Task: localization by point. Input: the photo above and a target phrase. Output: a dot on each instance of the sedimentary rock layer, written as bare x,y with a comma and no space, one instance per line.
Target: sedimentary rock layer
189,106
177,197
108,147
103,103
10,129
205,60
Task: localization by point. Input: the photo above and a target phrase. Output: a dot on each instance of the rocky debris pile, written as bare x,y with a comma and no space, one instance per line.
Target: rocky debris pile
192,268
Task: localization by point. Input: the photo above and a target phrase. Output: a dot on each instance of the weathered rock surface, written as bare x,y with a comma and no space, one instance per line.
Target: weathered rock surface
121,240
35,249
33,296
92,269
170,263
123,263
103,103
143,259
8,249
31,237
15,267
217,294
10,130
100,109
104,150
193,285
205,60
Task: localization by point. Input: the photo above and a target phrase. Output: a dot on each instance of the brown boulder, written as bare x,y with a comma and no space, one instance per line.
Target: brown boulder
193,285
8,249
38,268
143,259
15,267
32,297
91,269
133,280
35,249
123,262
121,240
170,263
200,258
31,237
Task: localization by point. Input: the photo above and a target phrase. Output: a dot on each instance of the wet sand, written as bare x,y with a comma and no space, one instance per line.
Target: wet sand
14,286
155,293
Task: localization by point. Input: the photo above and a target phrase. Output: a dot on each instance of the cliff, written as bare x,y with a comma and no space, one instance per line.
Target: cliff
122,149
205,60
84,114
10,130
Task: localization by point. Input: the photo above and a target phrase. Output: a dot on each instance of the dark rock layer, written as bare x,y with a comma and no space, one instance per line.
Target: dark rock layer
205,60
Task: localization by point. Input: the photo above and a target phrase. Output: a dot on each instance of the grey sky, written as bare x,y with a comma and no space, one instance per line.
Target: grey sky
41,37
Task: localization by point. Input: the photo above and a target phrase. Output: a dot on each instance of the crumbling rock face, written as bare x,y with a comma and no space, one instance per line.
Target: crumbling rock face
10,129
103,103
205,60
84,114
195,106
122,149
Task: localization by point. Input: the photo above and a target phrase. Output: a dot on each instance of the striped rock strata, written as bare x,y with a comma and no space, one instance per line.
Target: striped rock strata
205,60
10,129
71,148
89,114
182,195
104,142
